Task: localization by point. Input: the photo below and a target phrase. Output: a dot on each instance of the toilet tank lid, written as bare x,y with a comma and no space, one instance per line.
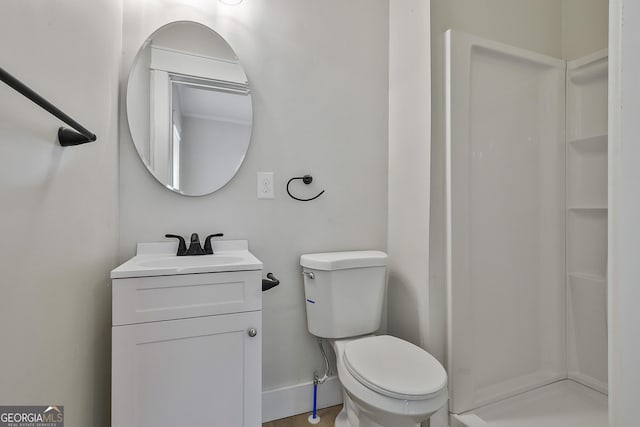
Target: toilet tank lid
343,260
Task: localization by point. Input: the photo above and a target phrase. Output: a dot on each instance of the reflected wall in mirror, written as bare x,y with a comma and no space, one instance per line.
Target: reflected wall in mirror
189,108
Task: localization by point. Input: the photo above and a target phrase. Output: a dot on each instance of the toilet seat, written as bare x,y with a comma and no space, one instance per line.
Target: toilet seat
394,368
385,410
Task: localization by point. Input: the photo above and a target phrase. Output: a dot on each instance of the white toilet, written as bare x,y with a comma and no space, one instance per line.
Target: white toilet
386,381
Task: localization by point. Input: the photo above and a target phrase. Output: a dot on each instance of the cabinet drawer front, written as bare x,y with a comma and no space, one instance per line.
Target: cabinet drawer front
151,299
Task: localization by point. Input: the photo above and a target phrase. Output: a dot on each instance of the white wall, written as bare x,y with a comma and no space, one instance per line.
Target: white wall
409,158
409,177
59,206
624,210
319,78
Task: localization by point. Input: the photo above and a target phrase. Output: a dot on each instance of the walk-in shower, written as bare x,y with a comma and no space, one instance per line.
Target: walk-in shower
526,151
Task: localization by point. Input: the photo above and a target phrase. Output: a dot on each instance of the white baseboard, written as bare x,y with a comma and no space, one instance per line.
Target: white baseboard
297,399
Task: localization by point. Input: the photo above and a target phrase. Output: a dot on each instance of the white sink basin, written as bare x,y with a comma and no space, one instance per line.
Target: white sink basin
159,259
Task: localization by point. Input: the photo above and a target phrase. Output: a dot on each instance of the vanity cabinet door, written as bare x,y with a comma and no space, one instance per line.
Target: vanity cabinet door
202,371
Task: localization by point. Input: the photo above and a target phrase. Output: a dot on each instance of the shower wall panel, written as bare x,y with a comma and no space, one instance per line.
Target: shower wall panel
506,214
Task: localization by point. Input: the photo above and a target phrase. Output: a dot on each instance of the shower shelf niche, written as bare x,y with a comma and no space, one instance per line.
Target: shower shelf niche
587,172
589,277
587,242
592,141
586,221
588,208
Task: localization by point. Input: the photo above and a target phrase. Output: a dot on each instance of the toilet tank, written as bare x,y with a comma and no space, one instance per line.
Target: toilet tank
344,292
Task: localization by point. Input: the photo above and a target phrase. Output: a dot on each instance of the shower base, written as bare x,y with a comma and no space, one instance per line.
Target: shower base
562,404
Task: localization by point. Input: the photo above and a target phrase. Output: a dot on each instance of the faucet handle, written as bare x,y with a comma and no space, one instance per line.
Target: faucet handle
182,246
208,250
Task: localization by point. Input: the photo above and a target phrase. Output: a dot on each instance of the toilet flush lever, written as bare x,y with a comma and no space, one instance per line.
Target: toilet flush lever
309,274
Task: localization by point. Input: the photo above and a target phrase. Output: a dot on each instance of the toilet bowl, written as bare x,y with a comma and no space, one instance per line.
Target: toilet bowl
386,381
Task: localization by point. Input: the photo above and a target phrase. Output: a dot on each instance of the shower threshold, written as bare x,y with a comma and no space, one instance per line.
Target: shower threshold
561,404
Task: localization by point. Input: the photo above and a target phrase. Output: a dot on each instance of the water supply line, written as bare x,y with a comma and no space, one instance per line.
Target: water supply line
314,418
326,364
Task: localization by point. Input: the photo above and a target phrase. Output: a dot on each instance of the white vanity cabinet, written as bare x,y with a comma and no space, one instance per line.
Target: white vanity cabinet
186,349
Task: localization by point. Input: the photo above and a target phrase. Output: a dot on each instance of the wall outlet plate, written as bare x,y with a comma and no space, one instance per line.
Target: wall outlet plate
265,185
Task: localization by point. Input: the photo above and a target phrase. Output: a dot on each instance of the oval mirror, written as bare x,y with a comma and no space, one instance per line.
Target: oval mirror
189,108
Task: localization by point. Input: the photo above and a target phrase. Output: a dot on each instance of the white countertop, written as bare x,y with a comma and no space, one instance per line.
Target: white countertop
159,259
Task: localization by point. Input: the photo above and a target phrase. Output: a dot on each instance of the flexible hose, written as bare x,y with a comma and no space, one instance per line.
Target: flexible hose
314,419
326,364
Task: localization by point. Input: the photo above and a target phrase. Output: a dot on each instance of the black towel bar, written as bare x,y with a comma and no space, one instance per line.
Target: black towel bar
66,137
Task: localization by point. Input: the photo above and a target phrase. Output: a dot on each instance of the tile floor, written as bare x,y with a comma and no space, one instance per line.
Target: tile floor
327,417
